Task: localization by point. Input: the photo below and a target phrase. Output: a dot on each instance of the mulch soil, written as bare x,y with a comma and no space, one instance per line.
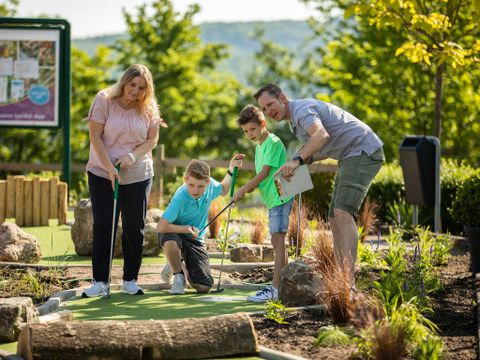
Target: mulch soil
454,312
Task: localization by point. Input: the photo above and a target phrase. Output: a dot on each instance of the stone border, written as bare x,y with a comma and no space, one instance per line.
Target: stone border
271,354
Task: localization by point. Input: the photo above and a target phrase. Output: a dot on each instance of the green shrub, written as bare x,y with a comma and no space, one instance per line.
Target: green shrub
388,190
465,208
452,175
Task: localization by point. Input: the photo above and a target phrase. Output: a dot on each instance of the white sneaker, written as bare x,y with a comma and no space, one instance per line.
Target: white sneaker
97,289
167,274
269,293
131,287
178,286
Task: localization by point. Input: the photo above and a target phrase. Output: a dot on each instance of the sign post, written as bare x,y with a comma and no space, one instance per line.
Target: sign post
35,77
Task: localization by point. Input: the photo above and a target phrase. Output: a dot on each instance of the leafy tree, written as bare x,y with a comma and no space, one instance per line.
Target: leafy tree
438,34
198,103
8,7
357,69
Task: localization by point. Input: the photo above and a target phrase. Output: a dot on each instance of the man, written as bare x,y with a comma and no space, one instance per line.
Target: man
327,131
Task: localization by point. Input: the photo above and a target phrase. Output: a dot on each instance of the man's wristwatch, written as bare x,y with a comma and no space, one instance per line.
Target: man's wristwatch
299,159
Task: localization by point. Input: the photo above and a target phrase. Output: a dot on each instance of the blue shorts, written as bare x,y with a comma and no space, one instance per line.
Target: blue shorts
278,217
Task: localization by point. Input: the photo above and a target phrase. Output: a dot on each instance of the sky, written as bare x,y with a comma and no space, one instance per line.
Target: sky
103,17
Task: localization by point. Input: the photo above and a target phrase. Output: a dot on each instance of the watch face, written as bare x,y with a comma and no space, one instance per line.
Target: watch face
299,158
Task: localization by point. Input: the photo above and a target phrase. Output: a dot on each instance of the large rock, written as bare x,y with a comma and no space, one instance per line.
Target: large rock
18,246
299,285
252,253
153,216
268,254
82,231
246,253
15,313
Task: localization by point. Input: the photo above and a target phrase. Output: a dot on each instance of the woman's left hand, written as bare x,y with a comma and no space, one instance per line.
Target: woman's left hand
125,161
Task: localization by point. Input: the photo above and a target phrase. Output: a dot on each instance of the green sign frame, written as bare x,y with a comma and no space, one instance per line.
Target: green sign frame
38,79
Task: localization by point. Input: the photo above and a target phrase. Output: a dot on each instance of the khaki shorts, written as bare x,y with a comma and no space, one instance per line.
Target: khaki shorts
352,181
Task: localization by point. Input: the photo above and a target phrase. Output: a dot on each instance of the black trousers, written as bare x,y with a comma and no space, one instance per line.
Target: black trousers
132,204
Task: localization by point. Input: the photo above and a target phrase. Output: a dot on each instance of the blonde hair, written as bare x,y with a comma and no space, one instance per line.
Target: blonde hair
148,104
198,169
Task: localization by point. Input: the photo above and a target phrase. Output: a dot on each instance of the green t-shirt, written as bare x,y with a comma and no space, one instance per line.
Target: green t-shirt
272,153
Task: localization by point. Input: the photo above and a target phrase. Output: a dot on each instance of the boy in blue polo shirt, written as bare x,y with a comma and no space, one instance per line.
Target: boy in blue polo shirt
270,155
180,223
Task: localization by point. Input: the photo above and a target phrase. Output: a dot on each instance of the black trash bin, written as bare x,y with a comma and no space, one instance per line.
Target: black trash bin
417,159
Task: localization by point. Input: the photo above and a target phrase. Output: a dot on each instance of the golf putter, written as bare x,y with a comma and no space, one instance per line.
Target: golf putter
232,190
298,225
216,216
112,238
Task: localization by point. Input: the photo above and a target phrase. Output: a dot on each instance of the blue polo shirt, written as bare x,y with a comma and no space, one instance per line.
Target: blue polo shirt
185,210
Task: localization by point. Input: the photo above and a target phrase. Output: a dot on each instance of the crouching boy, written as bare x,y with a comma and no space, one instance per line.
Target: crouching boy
187,212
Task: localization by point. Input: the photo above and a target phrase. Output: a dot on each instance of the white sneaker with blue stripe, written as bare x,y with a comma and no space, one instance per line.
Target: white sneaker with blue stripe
269,293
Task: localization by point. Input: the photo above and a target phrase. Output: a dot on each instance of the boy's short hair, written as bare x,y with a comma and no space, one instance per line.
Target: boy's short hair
198,169
273,89
251,113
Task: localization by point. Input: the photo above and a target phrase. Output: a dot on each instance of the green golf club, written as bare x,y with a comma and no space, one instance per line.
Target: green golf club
112,238
232,191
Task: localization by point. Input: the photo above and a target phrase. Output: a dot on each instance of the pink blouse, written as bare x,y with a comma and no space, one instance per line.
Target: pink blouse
123,131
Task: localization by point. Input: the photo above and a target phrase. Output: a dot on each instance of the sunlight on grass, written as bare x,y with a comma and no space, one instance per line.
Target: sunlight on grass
159,305
11,347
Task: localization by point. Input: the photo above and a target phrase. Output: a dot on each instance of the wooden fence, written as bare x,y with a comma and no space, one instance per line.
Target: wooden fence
163,166
32,202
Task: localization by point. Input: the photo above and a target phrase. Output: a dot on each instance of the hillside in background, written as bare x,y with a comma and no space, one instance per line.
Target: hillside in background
238,35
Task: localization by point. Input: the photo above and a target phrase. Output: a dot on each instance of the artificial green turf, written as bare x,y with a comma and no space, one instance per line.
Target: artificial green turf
11,347
159,305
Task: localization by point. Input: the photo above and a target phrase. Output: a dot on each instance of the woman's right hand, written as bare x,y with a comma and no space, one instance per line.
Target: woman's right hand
112,175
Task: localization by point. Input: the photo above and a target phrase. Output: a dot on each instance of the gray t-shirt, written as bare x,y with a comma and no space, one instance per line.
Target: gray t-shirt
348,135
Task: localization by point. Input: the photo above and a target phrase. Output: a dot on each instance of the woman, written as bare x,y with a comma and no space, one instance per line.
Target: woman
123,124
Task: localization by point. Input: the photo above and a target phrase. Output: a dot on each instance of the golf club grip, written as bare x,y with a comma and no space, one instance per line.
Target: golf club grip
115,194
234,179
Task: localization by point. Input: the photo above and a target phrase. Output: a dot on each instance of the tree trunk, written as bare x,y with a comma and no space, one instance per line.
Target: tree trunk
438,100
216,336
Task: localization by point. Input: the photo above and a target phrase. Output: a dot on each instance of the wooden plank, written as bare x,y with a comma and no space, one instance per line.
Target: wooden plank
3,200
44,199
62,203
10,209
36,202
28,202
53,212
19,214
27,167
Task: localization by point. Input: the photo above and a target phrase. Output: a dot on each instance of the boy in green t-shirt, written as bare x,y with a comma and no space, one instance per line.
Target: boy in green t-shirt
270,155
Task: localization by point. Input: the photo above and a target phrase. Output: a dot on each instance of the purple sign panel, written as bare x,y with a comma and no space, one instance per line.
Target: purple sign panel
29,66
